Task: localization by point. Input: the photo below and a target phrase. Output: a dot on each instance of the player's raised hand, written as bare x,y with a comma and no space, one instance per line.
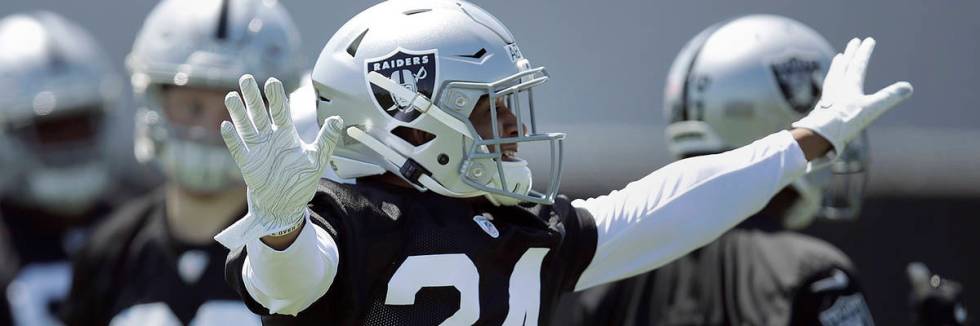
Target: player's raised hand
280,171
844,110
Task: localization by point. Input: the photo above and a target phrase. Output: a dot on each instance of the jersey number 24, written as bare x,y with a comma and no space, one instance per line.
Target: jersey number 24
457,270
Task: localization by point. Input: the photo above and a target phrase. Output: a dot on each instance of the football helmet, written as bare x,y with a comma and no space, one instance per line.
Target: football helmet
207,44
424,66
742,79
59,89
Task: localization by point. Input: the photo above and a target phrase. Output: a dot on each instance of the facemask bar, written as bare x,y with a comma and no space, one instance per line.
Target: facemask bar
510,88
85,146
154,102
844,192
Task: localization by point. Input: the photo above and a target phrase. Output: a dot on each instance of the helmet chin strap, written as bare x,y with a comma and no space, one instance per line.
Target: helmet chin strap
424,182
518,176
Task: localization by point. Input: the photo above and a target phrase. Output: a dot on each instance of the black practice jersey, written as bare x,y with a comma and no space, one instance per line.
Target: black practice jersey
133,272
42,243
418,258
749,276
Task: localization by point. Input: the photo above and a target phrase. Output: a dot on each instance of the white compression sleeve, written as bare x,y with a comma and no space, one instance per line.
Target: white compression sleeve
685,205
289,281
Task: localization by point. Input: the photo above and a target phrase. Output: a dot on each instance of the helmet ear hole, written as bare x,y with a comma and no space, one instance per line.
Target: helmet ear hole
413,136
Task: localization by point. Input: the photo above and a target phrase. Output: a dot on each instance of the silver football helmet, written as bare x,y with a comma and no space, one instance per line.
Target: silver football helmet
207,44
742,79
424,65
58,90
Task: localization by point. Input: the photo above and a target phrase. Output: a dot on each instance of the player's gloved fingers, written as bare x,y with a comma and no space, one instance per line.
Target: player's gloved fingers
254,103
236,109
278,104
834,74
849,52
889,97
326,140
235,144
856,70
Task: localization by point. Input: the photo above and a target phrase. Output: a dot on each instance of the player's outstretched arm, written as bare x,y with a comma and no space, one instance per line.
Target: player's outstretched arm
281,174
689,203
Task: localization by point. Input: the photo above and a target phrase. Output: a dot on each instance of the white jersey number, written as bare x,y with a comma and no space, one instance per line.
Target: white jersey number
457,270
215,312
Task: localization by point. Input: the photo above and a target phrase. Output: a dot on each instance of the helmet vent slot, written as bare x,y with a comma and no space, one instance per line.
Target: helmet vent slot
416,11
477,55
221,32
413,136
352,48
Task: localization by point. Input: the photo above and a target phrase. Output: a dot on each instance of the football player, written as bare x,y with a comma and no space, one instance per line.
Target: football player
735,82
60,97
155,260
435,101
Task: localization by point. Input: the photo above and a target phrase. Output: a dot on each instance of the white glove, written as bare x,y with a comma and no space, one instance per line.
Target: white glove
280,171
844,110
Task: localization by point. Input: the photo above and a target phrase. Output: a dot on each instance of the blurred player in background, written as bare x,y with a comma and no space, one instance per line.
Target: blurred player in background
154,262
733,83
59,93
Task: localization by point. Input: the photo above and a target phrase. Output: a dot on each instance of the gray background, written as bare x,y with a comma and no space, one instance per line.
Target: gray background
609,59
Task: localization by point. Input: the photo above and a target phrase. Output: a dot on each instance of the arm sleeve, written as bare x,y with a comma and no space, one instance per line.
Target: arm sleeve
685,205
289,281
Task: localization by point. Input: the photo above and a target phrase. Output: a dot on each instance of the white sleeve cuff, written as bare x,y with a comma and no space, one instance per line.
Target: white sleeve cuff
289,281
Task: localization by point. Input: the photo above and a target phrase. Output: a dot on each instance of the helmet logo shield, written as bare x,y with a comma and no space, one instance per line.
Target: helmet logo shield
799,81
415,70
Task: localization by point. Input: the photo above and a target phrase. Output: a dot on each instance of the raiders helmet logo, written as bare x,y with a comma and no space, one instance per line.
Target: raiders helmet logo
414,70
800,82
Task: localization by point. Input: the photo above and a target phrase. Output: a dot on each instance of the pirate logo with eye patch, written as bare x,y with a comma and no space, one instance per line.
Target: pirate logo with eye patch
799,82
414,70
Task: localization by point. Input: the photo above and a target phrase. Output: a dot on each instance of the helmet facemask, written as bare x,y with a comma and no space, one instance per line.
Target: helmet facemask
189,153
843,194
485,166
69,173
510,179
833,192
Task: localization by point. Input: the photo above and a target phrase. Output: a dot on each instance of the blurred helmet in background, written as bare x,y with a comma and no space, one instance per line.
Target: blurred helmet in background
58,88
745,78
205,44
379,71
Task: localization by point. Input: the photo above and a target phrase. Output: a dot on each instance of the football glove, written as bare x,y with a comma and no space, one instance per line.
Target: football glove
280,171
844,110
